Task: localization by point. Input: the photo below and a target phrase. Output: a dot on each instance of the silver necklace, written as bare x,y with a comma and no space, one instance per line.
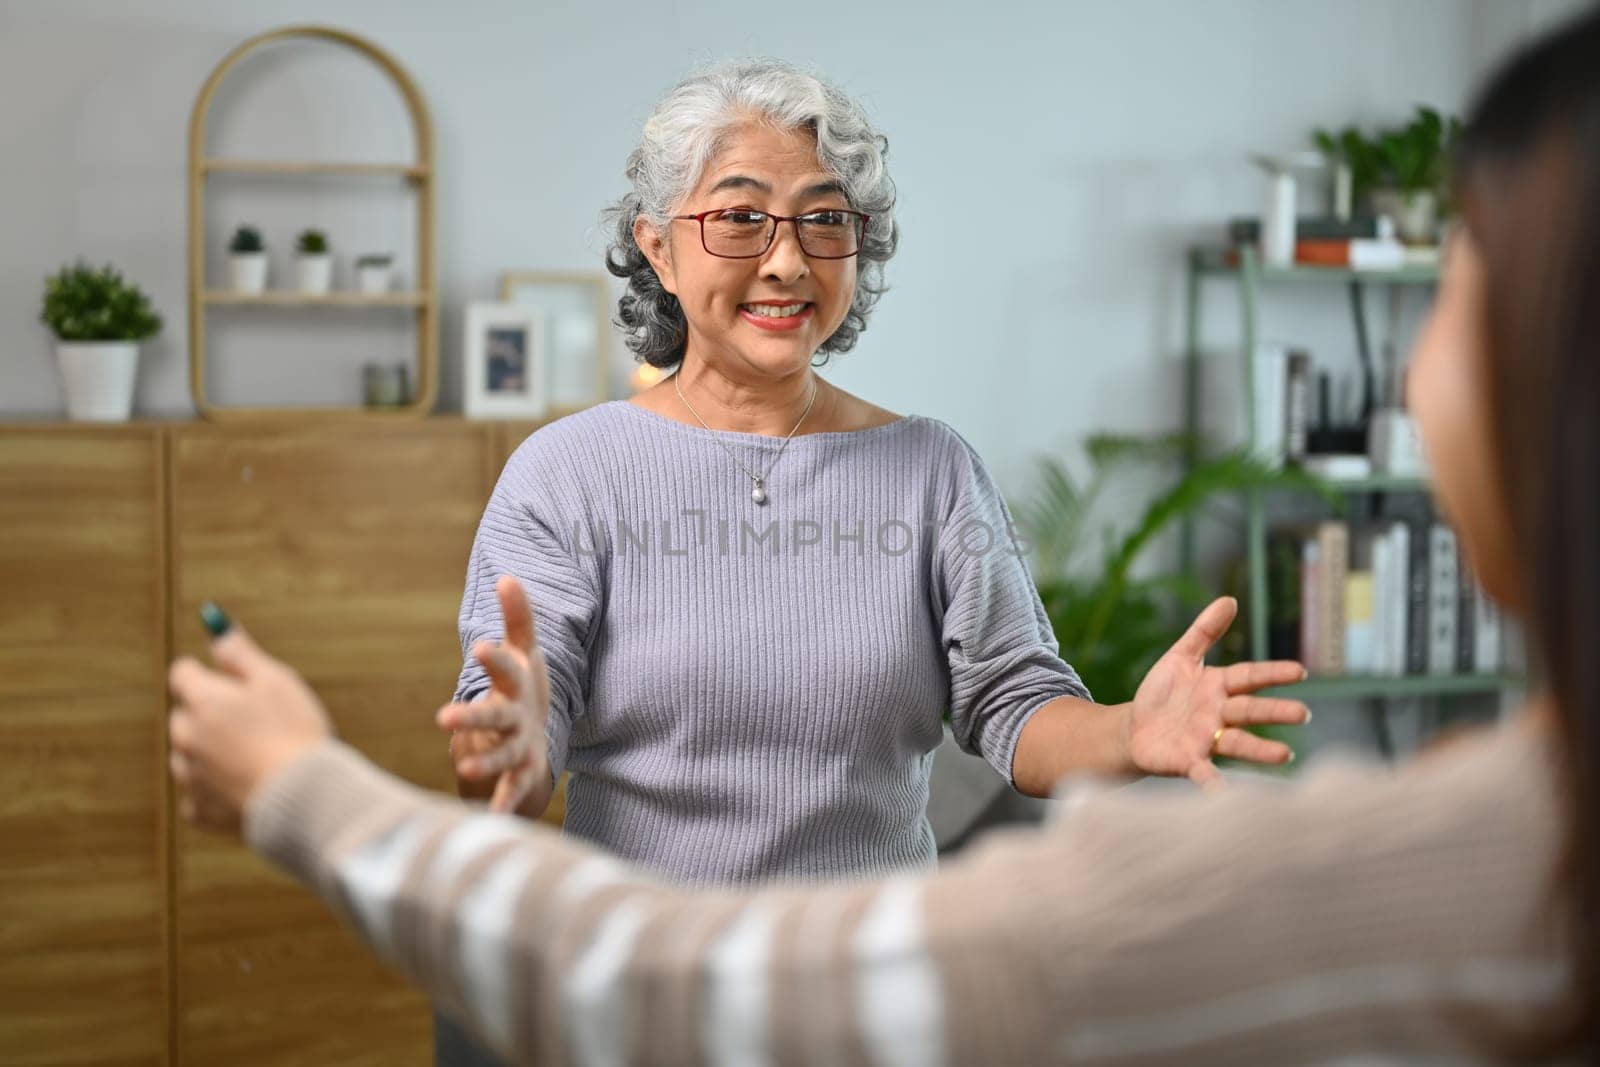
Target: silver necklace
758,491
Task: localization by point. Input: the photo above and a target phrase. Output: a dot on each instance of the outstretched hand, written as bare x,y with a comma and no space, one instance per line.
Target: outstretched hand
500,736
234,725
1185,713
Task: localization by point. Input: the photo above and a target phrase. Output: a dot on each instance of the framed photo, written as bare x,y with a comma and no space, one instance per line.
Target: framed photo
503,362
575,309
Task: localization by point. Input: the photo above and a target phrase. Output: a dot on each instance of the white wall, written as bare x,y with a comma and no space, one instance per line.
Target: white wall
1105,136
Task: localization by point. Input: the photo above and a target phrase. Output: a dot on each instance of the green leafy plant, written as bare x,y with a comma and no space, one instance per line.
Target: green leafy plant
82,303
1111,624
374,260
246,240
1356,152
312,243
1412,158
1416,155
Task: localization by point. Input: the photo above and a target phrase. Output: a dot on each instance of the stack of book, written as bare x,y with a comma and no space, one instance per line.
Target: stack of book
1386,598
1362,243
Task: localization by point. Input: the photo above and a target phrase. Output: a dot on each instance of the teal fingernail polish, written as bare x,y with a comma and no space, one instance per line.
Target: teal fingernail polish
214,619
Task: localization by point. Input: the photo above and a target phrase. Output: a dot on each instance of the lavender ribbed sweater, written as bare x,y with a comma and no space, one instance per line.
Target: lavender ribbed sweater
748,691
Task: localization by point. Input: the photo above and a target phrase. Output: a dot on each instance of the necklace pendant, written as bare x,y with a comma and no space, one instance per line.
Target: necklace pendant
758,494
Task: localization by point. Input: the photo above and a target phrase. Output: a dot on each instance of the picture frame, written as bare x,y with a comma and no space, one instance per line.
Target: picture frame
503,361
576,310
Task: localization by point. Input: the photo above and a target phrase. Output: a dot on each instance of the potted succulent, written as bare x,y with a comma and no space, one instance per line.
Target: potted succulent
313,262
247,261
373,273
98,320
1401,172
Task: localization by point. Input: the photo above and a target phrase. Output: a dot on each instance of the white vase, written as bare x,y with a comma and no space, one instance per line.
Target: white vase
247,271
97,377
314,274
372,281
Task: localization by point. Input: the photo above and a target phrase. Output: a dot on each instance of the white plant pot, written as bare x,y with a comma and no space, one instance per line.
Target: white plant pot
373,281
247,271
1415,214
314,274
97,377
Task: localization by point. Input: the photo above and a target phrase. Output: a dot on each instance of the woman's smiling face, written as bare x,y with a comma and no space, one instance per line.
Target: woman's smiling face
729,304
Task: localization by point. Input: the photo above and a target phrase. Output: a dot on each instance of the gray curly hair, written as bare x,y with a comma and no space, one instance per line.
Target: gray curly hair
681,137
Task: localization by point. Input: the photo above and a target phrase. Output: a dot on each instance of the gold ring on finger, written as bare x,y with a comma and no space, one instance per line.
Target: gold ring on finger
1216,739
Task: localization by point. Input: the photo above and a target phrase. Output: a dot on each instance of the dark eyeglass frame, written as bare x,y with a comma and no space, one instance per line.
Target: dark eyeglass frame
772,234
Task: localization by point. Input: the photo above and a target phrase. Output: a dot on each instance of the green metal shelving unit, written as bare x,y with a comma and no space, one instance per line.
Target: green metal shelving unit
1245,269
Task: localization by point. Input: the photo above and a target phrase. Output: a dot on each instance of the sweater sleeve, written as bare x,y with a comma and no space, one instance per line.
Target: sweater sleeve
1251,926
531,529
1004,660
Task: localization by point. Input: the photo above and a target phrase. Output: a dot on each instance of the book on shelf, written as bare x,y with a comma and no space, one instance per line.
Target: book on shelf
1360,253
1360,610
1297,405
1444,602
1247,231
1396,604
1466,621
1356,253
1330,563
1383,598
1270,416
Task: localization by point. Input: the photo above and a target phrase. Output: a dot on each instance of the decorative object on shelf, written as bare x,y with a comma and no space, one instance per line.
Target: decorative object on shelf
313,263
386,385
247,261
503,361
1278,221
422,303
1112,625
1399,172
373,274
575,308
1394,444
98,320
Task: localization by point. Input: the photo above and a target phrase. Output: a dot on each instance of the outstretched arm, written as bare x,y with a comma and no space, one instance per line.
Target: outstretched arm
1246,925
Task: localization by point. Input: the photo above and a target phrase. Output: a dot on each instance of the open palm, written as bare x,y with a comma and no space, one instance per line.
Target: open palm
1186,712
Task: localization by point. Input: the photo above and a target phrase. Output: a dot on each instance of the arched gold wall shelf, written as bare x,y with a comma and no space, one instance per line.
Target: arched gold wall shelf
424,299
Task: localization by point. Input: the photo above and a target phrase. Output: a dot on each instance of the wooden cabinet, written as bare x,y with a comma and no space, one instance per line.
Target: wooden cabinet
343,550
83,829
126,936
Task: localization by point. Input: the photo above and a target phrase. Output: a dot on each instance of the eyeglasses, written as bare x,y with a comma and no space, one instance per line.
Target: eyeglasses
743,233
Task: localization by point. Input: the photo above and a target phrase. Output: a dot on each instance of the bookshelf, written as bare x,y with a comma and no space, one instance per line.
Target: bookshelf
1242,269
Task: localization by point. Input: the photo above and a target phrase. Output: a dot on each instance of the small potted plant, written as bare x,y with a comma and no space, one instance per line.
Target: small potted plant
1415,158
372,273
98,320
247,261
313,263
1400,172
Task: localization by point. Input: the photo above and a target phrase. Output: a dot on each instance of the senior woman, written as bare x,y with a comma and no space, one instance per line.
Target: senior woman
757,596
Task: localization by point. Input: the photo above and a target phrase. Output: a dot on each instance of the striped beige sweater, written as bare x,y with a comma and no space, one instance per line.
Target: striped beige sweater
1362,913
